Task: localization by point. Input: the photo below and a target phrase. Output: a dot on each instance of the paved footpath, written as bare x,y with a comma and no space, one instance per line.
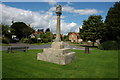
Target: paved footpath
39,46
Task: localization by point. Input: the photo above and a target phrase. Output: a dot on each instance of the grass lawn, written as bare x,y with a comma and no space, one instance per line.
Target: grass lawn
97,64
5,44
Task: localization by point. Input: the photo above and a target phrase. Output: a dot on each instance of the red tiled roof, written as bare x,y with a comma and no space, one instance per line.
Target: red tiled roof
37,32
77,34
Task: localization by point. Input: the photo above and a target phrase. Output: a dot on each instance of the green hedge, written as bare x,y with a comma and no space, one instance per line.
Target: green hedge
109,45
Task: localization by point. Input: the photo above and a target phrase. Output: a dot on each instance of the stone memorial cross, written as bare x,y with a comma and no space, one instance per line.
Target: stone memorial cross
57,53
58,12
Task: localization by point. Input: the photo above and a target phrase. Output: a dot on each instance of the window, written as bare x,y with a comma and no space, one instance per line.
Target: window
72,36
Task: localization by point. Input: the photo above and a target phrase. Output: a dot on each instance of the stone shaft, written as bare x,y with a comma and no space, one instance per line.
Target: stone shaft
58,39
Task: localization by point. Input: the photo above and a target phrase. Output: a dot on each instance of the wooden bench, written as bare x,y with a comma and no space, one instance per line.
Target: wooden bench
86,48
22,48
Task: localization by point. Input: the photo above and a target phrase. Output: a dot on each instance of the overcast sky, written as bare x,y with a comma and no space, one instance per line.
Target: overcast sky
41,15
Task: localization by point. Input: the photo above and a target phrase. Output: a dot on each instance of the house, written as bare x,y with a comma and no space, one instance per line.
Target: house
37,33
74,37
62,35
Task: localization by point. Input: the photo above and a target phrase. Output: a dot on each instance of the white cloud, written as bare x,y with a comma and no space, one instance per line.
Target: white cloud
51,2
80,11
35,19
69,9
69,3
63,16
52,9
41,11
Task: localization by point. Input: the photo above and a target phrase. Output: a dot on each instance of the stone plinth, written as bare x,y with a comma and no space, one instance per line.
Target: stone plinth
57,54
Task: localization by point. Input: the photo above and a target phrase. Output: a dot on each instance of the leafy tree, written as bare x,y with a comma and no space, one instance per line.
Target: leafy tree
47,36
21,29
43,35
5,30
40,30
92,28
112,23
47,30
66,38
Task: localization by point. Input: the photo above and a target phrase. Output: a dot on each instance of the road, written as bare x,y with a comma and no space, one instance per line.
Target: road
42,46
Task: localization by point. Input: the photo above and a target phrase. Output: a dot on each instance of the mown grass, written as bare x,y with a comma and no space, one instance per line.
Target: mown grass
97,64
2,44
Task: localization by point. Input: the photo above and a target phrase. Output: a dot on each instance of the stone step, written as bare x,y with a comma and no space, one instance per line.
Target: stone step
57,51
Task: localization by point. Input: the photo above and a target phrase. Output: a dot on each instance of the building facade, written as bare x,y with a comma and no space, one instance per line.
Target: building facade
74,37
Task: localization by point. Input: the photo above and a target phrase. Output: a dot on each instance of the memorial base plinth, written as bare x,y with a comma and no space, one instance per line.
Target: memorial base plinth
58,54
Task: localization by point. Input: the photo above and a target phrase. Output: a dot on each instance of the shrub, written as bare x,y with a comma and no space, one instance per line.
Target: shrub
45,40
25,40
109,45
33,40
5,40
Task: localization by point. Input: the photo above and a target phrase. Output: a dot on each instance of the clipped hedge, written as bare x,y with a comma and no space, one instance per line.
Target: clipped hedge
109,45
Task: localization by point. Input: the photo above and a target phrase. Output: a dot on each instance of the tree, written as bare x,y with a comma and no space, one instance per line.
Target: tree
47,30
40,30
46,36
112,23
21,30
91,28
66,38
5,30
49,35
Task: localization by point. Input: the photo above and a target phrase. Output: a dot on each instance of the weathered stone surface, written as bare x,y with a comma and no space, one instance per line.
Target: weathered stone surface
58,56
57,45
56,51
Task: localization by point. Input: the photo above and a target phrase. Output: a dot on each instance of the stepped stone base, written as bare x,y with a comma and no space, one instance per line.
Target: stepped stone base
57,54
